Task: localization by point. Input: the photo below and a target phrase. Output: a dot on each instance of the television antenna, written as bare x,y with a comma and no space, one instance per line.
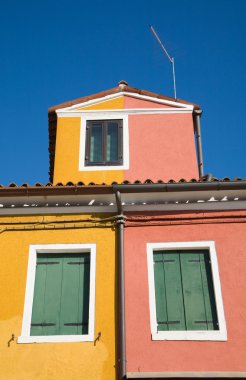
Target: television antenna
171,60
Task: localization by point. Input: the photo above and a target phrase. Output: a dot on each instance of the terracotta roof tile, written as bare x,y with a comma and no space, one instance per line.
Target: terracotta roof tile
13,186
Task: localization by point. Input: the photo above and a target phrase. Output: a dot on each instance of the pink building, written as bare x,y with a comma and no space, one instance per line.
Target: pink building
181,236
184,250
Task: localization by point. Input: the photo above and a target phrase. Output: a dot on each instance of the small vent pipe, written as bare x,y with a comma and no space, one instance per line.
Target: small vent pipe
197,118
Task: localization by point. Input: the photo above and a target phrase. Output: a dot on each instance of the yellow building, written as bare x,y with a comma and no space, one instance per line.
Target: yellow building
58,290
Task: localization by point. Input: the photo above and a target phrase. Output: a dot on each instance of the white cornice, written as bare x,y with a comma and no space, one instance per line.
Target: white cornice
170,103
161,201
136,111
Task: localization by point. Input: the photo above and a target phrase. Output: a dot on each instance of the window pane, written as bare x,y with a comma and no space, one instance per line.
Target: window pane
112,142
96,143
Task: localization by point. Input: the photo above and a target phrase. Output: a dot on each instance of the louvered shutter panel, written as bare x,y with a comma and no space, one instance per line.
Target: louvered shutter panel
47,296
193,291
75,295
208,292
174,296
160,292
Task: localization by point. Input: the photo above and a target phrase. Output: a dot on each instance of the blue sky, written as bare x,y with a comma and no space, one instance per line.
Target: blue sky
53,51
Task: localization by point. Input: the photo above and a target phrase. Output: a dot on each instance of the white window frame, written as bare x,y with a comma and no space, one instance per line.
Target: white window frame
219,335
31,273
125,136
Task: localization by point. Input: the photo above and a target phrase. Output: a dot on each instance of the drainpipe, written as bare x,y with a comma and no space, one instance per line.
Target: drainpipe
121,289
197,117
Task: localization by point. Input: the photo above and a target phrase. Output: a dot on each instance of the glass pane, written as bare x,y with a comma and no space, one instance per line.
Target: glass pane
96,143
112,142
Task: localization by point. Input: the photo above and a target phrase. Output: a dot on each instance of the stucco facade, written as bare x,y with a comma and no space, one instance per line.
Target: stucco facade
227,230
159,142
69,360
122,211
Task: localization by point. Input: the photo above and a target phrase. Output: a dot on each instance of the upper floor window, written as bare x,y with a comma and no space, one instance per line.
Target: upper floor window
104,142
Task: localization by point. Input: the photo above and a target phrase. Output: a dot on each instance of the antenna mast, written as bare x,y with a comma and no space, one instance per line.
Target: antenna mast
171,60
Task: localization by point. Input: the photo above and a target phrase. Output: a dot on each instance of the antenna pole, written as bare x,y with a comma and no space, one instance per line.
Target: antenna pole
174,80
171,60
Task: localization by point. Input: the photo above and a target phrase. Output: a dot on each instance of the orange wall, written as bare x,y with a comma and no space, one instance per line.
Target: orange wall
145,355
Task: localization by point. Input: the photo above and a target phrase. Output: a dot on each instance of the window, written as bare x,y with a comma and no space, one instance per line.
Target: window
60,294
185,295
104,142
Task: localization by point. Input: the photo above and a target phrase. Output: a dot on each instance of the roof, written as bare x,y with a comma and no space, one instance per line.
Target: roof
144,196
137,186
122,87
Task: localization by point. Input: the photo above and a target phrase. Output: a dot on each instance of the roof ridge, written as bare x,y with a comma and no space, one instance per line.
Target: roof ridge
120,88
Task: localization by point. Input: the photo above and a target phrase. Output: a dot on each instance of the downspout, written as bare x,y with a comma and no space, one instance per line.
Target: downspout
121,289
197,117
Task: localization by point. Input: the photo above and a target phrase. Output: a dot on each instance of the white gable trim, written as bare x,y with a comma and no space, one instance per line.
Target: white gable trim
177,105
136,111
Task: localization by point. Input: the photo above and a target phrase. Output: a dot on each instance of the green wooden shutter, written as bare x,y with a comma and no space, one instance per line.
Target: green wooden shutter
184,291
169,298
174,294
198,291
61,295
208,292
193,291
75,295
47,295
160,292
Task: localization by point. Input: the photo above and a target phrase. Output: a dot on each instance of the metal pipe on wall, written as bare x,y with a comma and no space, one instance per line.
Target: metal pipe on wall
121,288
197,117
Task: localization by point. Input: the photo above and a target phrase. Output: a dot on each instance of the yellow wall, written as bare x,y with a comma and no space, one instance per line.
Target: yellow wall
117,103
67,151
51,361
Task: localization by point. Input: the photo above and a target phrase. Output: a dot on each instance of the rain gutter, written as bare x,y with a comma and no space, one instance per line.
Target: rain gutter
197,118
179,187
121,288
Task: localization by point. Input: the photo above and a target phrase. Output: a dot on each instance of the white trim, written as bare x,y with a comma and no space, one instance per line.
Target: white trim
221,334
185,374
103,116
135,111
31,271
132,95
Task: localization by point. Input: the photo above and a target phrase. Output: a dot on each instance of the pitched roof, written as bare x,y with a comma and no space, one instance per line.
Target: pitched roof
122,87
137,186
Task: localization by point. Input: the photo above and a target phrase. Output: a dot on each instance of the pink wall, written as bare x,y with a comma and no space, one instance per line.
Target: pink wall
145,355
131,102
161,147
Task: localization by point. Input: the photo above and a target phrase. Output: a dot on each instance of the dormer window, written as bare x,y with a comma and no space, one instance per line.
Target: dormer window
104,142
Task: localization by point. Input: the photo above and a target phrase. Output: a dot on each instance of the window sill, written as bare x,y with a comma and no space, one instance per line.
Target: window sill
55,338
103,167
190,335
